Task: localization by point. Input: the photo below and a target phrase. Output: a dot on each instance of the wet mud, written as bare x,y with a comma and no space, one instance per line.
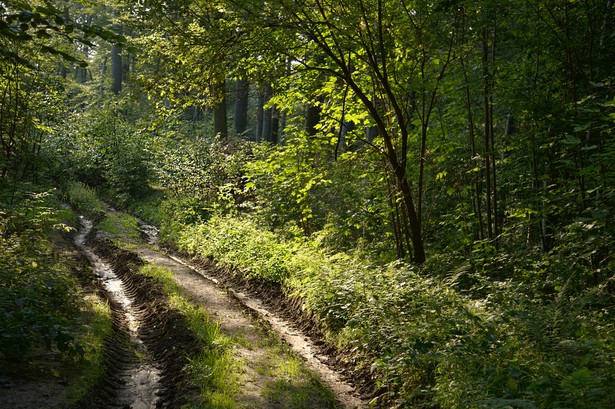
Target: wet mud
150,343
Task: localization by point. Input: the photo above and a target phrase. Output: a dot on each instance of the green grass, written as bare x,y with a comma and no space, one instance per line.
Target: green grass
214,370
121,228
97,326
85,200
292,385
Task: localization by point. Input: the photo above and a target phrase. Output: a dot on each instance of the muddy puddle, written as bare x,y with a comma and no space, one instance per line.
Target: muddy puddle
133,378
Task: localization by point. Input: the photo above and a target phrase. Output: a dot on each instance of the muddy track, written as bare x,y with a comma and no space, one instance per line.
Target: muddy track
150,343
288,317
212,287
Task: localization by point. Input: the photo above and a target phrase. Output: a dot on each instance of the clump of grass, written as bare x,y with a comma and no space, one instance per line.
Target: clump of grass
121,227
85,200
292,386
213,371
96,328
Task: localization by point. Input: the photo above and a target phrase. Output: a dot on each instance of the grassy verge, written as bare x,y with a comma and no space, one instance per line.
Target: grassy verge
121,228
213,371
85,200
96,316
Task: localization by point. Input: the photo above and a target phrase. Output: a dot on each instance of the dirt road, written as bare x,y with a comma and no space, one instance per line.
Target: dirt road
142,371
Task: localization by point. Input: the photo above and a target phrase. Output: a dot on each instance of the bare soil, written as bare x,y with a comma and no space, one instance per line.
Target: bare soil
148,374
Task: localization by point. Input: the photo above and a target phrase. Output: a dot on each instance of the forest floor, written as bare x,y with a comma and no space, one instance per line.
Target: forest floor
150,339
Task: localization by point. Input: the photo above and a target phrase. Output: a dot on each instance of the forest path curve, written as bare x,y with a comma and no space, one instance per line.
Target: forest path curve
229,308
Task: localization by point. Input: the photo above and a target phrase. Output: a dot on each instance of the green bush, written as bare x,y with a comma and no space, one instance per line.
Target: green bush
37,293
239,242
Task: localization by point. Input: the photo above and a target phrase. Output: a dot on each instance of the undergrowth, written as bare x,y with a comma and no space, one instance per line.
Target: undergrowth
85,200
47,317
37,292
427,341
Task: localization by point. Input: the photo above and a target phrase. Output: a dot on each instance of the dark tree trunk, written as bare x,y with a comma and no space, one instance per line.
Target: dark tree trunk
242,93
312,118
116,70
488,129
275,126
260,117
220,119
267,116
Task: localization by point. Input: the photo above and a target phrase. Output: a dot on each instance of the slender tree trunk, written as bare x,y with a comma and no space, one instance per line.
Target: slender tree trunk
242,92
267,116
116,70
488,128
220,117
496,210
260,116
275,126
418,251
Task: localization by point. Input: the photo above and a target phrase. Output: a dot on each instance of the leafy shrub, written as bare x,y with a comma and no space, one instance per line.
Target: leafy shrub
104,148
239,242
339,200
37,293
207,173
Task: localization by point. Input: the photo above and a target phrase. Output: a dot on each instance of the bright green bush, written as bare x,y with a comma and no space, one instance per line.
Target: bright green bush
239,242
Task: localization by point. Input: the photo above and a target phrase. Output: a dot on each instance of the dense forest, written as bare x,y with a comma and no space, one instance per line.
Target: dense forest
433,180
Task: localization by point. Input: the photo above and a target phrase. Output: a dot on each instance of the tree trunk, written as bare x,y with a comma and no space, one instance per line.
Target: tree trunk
267,115
418,251
260,116
312,118
488,129
275,126
116,70
241,106
220,120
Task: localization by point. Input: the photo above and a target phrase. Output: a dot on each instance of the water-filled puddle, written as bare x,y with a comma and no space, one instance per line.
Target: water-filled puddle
141,381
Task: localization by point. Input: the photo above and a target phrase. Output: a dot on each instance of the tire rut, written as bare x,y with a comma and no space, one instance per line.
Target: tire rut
209,286
150,342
